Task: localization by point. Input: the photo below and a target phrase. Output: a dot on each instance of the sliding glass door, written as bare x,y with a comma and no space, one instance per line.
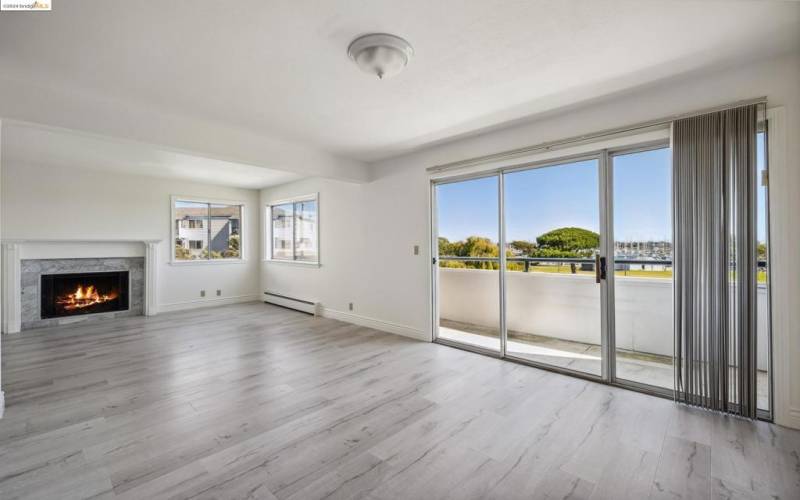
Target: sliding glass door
568,265
546,307
552,289
547,298
467,266
642,293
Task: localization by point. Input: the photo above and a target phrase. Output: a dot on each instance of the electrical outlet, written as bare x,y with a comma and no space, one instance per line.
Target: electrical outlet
202,293
350,306
219,293
416,249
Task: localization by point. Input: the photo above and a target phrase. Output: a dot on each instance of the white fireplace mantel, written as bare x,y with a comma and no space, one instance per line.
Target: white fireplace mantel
14,250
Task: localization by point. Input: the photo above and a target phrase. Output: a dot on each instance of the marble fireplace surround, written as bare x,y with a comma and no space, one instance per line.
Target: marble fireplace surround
120,253
32,271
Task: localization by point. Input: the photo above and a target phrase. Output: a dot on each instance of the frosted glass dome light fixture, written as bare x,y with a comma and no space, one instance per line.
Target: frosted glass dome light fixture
380,54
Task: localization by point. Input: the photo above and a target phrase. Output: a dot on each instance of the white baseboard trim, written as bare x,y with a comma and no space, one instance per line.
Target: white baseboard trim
207,302
377,324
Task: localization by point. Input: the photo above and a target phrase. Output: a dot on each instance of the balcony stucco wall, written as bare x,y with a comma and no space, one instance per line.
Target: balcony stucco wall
568,307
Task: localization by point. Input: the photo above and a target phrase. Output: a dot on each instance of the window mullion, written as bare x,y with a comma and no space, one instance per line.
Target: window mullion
294,231
268,250
208,231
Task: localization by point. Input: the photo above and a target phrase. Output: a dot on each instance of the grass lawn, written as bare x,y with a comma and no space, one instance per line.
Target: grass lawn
634,273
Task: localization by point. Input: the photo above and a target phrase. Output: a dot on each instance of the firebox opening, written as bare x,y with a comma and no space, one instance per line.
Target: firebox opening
84,293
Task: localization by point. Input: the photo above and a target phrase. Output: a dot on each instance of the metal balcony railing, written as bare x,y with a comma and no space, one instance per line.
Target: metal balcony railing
585,262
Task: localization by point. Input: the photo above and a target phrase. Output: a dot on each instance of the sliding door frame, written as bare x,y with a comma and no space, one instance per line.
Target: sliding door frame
610,154
605,171
608,347
598,156
435,264
602,164
764,127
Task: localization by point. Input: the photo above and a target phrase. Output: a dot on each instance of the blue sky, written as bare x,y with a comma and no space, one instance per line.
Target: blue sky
542,199
642,196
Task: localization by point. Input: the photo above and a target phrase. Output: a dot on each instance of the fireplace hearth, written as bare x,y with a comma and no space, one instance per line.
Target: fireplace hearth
83,293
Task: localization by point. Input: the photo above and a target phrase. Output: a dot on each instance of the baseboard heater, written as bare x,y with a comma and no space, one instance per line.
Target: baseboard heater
306,306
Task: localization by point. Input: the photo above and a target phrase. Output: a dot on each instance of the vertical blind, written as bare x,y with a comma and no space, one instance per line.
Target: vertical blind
714,205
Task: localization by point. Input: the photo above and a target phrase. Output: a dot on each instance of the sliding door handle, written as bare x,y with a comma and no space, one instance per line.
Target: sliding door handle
597,276
599,268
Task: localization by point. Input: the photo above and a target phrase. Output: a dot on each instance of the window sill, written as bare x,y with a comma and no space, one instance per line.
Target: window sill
206,262
301,263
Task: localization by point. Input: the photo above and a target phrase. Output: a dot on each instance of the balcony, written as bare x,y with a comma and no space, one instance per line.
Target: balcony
553,314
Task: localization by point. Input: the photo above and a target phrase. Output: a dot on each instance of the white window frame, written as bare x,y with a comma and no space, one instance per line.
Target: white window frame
243,238
268,257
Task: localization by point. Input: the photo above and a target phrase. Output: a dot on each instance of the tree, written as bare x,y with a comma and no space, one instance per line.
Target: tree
444,245
233,247
513,266
762,251
447,248
565,242
181,253
474,246
554,253
478,246
523,247
574,239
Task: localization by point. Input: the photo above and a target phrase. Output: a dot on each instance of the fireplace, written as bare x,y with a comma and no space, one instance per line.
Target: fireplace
84,293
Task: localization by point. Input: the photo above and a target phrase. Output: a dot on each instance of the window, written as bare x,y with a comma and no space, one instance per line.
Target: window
282,231
192,224
294,230
207,230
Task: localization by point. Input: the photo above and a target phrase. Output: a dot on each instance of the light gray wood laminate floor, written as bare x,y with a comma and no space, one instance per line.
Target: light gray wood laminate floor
255,401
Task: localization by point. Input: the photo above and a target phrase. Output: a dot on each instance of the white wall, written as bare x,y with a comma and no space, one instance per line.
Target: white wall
56,203
342,237
391,285
348,271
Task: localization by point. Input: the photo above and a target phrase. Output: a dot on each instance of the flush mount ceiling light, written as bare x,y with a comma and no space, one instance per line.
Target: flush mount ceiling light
380,54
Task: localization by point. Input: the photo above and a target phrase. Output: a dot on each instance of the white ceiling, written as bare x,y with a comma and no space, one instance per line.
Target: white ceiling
280,68
35,145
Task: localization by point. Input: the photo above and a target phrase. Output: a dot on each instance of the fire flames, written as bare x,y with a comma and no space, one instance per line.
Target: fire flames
84,296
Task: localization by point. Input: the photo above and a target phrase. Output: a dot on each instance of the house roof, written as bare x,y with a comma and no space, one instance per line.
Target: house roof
230,212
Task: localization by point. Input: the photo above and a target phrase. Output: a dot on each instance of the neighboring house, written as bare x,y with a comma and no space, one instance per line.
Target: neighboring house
192,230
305,235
